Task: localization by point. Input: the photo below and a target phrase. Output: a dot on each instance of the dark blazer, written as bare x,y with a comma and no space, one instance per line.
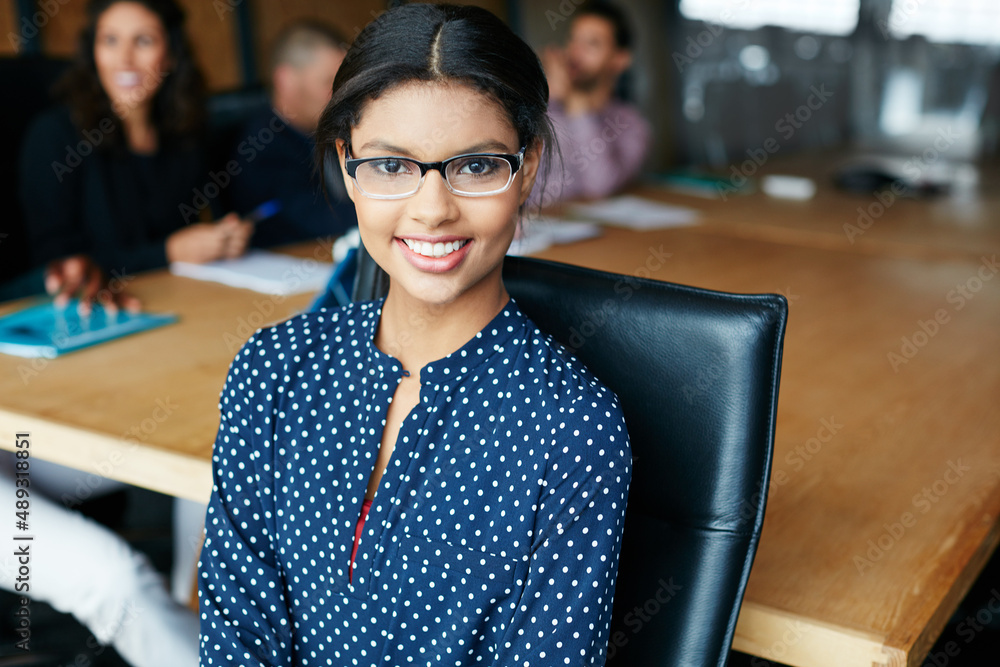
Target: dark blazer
78,196
273,160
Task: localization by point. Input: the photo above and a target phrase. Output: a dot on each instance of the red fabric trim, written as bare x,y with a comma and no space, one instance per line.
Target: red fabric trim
365,507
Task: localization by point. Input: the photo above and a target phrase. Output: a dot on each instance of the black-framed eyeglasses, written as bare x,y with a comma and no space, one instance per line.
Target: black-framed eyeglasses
468,175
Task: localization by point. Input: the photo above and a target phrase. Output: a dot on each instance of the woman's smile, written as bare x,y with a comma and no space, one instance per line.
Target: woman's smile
434,255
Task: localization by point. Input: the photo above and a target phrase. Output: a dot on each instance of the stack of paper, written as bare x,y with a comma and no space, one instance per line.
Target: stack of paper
537,234
262,271
637,213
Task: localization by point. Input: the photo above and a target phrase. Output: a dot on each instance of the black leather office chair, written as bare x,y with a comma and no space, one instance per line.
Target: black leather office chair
697,373
228,112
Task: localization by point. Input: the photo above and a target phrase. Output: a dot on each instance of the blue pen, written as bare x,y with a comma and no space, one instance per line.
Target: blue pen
266,210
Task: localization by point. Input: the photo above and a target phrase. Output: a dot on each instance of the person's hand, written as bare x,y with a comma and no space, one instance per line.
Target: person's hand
79,276
208,241
237,232
557,73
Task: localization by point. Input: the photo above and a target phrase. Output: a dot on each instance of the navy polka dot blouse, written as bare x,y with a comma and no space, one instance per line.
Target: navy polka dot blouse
493,537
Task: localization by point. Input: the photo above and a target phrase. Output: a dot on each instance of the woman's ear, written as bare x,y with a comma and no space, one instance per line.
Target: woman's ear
341,157
529,170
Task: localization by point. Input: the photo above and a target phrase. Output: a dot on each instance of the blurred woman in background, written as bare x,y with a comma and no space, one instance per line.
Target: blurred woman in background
111,172
105,181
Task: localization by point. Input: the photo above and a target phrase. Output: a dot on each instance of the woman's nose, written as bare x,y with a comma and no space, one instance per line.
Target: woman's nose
433,204
126,55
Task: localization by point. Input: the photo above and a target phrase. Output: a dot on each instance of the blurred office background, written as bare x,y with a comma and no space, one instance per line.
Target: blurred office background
716,77
720,77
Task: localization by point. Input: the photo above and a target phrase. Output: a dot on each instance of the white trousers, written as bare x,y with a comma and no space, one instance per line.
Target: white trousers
80,567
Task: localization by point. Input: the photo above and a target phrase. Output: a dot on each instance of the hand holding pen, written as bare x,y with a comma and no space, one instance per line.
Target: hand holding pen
208,241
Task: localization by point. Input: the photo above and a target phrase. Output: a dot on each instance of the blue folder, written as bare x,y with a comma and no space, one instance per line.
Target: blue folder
47,331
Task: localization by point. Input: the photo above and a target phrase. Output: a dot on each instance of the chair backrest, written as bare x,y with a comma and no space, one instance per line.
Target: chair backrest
697,373
228,113
27,83
339,288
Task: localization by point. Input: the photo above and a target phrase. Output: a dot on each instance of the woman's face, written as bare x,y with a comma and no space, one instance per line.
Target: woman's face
431,122
132,57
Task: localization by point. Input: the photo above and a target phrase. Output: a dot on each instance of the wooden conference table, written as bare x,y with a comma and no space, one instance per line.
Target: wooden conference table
885,496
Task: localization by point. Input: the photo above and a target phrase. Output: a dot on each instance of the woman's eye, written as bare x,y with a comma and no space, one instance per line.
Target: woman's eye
391,167
480,166
145,40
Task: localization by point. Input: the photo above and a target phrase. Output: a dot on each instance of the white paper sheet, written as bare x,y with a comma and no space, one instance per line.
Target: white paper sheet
537,234
262,271
637,213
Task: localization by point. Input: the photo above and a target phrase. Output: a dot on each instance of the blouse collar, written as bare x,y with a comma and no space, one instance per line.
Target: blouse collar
504,331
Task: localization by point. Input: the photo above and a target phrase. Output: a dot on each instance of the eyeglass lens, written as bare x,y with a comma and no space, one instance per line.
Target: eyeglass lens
475,174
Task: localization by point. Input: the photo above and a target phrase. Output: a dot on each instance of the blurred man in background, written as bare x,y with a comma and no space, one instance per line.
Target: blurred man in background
602,138
305,59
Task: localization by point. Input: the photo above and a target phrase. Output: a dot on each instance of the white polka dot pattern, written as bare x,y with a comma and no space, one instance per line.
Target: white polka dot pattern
493,537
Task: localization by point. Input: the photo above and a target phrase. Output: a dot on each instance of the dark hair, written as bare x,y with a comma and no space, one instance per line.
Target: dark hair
179,104
425,42
613,15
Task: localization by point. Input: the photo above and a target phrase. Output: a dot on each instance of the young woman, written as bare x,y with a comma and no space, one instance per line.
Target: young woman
110,173
427,478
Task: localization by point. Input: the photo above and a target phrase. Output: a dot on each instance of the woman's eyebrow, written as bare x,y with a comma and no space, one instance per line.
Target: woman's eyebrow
489,146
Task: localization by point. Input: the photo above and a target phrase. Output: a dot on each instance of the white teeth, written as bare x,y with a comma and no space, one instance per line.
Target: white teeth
433,249
127,78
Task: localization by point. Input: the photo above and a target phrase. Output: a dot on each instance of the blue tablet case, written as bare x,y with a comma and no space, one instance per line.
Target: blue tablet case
46,331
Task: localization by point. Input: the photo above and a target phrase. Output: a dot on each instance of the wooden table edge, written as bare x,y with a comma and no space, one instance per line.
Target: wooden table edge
921,645
118,458
806,642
